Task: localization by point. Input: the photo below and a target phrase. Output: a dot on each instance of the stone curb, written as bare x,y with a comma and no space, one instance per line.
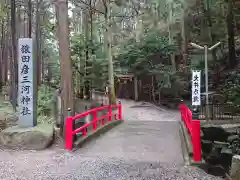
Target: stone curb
108,126
186,139
187,147
185,153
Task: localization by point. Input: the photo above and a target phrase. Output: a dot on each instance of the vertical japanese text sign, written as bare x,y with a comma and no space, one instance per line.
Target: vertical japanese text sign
26,93
196,88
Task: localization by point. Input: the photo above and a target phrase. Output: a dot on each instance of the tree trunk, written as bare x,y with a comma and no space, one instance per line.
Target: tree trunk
170,16
29,18
87,54
38,42
65,60
138,24
212,37
108,39
92,49
14,73
5,51
1,55
231,42
184,42
4,46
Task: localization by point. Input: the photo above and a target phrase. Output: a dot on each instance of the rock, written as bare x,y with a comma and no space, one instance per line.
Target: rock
207,146
235,168
222,138
214,156
231,128
219,144
232,138
216,170
225,161
214,133
37,138
226,150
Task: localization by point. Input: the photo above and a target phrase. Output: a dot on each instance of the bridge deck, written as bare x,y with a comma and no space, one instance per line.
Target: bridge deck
141,141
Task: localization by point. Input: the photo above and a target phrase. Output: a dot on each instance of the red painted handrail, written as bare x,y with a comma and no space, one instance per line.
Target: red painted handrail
194,130
70,132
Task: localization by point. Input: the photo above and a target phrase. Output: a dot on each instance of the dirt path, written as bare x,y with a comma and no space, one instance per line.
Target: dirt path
145,147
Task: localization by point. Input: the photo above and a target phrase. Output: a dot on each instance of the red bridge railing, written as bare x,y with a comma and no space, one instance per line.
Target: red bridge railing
70,132
194,130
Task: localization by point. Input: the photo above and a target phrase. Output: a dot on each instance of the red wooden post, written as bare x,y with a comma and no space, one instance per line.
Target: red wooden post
189,120
103,121
84,133
94,120
68,135
196,141
119,110
109,113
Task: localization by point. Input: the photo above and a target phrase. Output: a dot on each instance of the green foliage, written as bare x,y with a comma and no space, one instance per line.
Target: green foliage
51,63
233,94
77,44
235,143
232,87
45,99
137,55
45,120
97,71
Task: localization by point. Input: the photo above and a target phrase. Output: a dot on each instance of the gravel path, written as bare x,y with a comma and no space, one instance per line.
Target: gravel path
145,150
145,141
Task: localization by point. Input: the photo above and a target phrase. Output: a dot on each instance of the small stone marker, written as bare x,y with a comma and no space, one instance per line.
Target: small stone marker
27,99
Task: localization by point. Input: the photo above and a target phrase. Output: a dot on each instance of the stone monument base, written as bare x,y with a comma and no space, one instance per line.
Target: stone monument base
34,138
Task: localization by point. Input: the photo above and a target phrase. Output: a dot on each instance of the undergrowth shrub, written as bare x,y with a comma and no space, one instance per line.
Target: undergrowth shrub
232,88
45,99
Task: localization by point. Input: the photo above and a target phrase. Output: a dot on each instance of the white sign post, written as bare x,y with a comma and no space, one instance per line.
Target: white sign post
26,83
196,88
